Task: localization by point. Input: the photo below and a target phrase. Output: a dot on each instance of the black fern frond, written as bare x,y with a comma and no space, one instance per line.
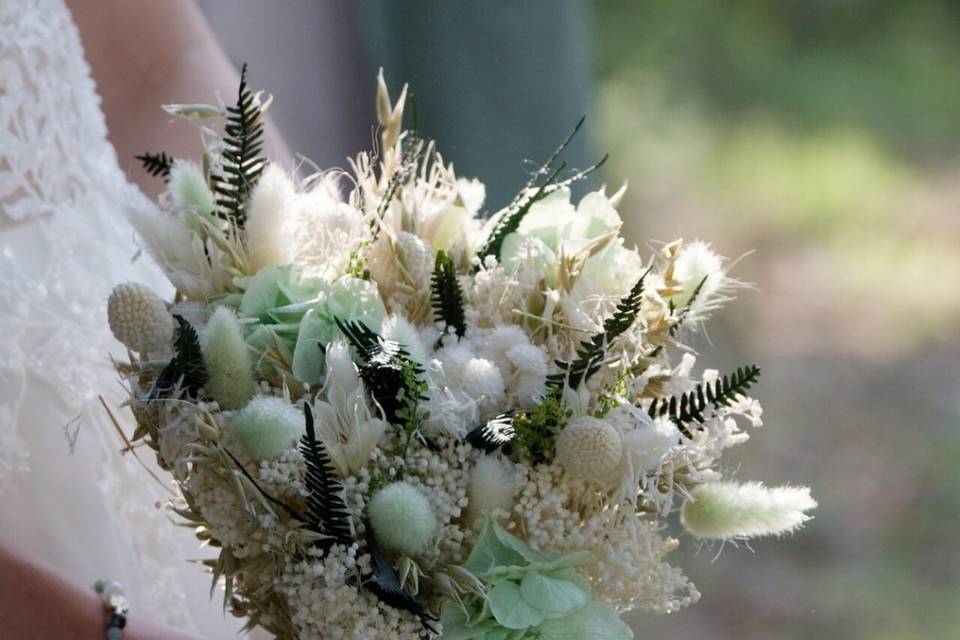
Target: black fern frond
241,163
447,296
591,354
326,513
508,220
186,369
156,164
495,434
384,583
688,408
385,368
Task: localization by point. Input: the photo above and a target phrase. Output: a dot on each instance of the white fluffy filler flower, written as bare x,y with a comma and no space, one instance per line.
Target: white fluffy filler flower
139,319
267,427
493,483
589,449
727,510
402,519
228,361
270,204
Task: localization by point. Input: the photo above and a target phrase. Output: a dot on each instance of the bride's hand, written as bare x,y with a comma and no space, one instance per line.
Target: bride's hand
36,602
145,54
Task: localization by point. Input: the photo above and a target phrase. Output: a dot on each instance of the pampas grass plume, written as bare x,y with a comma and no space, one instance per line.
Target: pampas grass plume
270,203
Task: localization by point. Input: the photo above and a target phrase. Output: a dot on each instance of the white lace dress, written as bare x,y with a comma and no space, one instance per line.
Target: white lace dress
66,493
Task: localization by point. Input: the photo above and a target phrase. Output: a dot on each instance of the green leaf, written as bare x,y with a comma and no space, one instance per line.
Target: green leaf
596,621
552,594
511,610
489,552
308,355
510,541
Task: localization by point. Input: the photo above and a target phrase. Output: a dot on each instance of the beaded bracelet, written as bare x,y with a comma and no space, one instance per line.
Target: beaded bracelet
116,605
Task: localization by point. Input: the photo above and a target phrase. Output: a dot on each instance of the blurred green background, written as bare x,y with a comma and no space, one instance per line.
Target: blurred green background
823,136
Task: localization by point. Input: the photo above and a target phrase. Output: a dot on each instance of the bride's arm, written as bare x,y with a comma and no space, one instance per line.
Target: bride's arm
36,602
145,54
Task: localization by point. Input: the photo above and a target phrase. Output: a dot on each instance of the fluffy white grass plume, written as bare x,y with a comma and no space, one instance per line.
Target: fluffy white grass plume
267,427
139,319
493,483
267,239
188,188
196,269
228,360
403,519
728,510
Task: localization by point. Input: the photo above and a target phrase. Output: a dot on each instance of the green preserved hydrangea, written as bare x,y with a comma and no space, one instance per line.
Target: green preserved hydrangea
530,594
297,310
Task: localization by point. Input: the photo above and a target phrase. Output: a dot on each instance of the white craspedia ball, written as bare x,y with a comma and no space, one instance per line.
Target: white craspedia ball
493,483
589,449
227,358
139,318
267,427
402,519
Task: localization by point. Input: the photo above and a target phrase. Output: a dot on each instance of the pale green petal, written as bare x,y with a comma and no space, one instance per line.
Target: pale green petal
489,552
511,610
596,216
308,358
551,594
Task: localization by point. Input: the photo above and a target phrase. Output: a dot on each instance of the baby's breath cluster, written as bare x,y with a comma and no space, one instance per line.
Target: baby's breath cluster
398,415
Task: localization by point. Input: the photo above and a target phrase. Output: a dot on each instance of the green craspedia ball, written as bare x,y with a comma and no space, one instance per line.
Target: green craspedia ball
402,519
267,427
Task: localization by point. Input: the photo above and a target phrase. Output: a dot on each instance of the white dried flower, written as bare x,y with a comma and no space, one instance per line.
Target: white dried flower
139,318
589,448
228,361
727,510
